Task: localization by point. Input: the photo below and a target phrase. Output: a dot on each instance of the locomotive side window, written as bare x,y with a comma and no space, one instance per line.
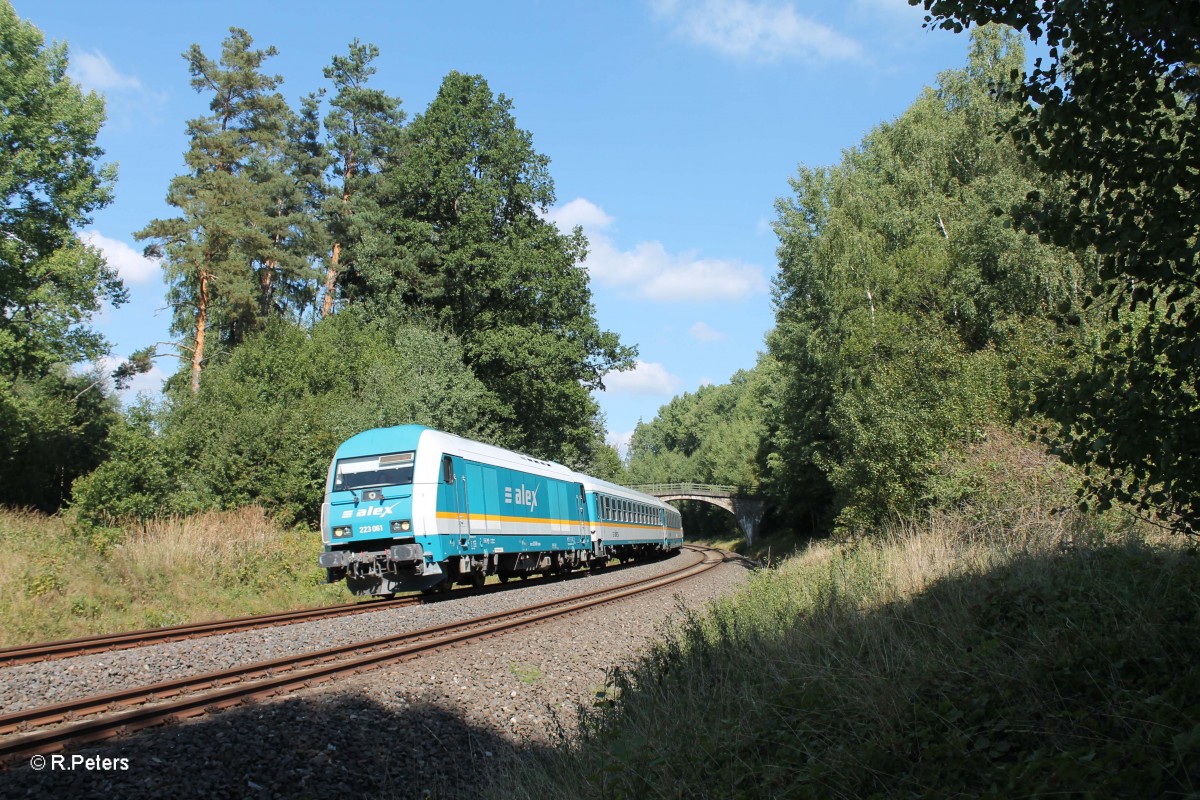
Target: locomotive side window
447,469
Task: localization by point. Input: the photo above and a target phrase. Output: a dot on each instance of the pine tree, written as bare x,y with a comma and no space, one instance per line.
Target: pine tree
221,253
365,133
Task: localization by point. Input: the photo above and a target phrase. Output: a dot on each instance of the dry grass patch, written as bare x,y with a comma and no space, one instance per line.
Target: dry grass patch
931,659
61,581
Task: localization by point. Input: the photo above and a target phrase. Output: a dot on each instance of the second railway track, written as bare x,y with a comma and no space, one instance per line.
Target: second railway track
103,643
217,690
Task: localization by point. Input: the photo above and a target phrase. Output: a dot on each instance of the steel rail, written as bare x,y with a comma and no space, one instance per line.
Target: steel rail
105,642
66,648
259,681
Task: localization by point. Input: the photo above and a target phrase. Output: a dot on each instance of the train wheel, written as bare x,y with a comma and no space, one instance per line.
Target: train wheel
477,580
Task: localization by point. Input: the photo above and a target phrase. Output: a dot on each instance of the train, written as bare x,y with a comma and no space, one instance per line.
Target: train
409,508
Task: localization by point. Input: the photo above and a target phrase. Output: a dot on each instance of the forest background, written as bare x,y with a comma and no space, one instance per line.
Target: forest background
963,274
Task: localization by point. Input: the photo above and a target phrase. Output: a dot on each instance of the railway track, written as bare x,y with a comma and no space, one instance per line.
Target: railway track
88,645
168,701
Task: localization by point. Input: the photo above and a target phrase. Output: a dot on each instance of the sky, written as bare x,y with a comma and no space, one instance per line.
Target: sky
672,127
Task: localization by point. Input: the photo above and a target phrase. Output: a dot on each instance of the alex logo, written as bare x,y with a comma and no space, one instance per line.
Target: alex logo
521,496
373,511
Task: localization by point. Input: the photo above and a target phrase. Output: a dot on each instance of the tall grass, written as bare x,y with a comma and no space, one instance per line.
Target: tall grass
62,581
992,650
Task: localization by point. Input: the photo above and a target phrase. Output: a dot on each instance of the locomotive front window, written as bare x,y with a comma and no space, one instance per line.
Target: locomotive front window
366,472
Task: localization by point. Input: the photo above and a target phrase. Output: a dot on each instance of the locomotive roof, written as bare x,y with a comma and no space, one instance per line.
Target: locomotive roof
419,437
490,454
411,437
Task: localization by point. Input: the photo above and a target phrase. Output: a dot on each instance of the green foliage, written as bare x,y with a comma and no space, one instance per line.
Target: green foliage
52,424
54,429
443,219
908,311
135,482
1113,115
711,436
267,419
50,183
363,134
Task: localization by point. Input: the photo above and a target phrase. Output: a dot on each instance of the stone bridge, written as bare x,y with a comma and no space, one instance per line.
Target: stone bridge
747,509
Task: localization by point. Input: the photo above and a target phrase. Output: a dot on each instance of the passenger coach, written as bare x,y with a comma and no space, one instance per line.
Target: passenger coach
411,508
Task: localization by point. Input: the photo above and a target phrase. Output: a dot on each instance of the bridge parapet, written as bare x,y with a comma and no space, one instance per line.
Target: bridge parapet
713,489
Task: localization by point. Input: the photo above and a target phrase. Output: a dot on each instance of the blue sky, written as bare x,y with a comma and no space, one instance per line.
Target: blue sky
672,127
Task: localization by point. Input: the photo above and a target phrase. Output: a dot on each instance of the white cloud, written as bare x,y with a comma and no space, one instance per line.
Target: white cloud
150,382
579,211
94,71
131,265
649,270
645,378
620,440
767,30
704,333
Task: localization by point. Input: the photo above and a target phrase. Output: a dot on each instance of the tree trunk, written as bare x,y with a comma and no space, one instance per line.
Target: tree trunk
264,288
331,280
201,322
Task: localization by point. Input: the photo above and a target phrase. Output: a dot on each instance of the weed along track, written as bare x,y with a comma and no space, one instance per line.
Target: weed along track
142,707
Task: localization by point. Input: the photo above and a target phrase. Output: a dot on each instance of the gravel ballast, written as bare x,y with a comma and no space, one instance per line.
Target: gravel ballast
435,725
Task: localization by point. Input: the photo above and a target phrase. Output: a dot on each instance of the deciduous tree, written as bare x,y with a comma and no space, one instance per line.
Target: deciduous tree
52,428
1114,113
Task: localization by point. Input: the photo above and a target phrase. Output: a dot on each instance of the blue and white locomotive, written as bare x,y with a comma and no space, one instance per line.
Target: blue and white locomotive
411,508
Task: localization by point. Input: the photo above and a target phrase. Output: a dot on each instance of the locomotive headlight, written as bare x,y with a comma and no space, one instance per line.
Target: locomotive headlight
341,533
401,526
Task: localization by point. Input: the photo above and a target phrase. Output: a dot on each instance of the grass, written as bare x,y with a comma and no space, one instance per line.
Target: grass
526,673
58,581
996,649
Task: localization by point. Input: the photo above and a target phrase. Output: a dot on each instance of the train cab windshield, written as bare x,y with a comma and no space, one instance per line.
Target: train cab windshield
366,472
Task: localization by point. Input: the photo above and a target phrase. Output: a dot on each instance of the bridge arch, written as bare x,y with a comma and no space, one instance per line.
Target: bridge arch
748,510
